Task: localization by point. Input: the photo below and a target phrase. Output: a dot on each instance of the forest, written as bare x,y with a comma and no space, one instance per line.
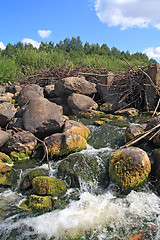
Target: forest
21,60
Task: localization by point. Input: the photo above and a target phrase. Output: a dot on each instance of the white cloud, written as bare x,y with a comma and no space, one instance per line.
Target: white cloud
31,41
153,53
44,33
2,46
129,13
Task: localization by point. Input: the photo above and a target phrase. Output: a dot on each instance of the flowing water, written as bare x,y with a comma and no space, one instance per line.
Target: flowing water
99,214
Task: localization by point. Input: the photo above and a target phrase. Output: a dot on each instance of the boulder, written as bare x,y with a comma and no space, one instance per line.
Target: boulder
24,142
69,85
16,123
133,131
27,179
5,116
60,144
63,103
40,203
49,186
28,93
74,127
81,102
7,106
78,167
3,137
8,176
42,118
156,165
129,168
5,158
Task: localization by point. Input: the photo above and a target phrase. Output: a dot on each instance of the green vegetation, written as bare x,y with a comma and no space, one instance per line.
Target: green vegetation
17,61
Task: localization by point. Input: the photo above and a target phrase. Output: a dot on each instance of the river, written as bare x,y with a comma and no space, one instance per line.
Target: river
98,214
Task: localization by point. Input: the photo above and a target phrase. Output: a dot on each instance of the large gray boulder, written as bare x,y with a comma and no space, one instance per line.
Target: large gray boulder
28,93
42,117
5,116
81,102
69,85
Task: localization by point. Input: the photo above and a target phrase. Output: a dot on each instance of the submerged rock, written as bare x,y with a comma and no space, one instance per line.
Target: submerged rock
129,168
60,144
78,166
44,185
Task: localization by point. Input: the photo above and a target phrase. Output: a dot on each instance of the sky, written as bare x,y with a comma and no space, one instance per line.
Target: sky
128,25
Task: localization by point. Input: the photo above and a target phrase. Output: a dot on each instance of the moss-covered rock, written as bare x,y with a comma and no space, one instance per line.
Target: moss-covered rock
128,112
129,168
78,166
60,144
5,158
99,123
74,127
49,186
40,203
107,107
91,114
19,156
27,180
8,176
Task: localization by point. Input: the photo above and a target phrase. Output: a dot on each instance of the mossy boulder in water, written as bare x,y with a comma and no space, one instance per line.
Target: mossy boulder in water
49,186
8,176
40,203
78,166
129,168
5,158
60,144
27,179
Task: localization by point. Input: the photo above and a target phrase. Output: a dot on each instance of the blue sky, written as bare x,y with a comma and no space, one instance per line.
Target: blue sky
132,25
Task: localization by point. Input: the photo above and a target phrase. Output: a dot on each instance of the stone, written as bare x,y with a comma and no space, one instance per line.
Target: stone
128,112
5,158
74,127
3,137
44,185
28,93
69,85
60,144
7,106
79,166
63,103
16,123
40,203
133,131
81,102
27,179
42,118
20,142
156,165
13,88
129,168
6,97
5,116
8,176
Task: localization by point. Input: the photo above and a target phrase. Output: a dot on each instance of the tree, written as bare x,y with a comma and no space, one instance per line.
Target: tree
87,48
105,50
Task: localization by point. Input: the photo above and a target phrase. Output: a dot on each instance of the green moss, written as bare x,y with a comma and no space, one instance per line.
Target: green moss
5,158
19,156
44,185
127,172
99,123
23,205
91,114
82,131
40,203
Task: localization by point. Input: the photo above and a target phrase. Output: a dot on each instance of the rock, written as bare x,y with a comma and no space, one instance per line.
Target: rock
28,93
49,91
77,166
2,89
39,203
3,137
5,116
128,112
91,114
7,106
42,118
81,102
129,168
49,186
8,176
107,107
74,127
133,131
20,142
5,158
13,88
69,85
152,123
63,103
60,144
156,140
27,180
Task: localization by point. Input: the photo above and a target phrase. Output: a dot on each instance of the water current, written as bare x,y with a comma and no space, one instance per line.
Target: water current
98,214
